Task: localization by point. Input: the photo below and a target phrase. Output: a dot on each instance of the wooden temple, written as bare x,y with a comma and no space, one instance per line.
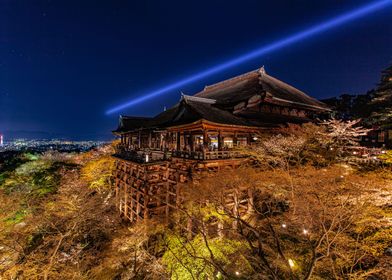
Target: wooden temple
199,135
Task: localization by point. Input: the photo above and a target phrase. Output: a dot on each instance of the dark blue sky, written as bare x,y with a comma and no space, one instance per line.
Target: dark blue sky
64,63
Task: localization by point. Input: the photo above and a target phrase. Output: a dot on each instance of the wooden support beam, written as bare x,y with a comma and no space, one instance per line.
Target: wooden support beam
132,201
220,140
149,139
235,209
125,197
166,177
251,208
178,146
138,208
146,199
191,144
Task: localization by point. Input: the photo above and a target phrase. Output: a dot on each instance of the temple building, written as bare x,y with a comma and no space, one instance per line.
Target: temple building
200,133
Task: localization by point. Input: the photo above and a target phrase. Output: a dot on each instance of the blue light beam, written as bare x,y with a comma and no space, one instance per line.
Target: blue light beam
315,30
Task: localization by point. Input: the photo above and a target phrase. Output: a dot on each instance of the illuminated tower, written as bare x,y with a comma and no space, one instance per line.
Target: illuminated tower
1,140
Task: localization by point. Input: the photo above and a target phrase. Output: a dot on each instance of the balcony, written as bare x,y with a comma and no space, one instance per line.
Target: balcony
208,155
148,155
141,155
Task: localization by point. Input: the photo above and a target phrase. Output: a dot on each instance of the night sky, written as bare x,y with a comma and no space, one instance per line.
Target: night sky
64,63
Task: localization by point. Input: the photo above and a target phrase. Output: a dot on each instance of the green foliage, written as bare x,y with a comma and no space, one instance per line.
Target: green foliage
37,177
199,257
32,175
98,172
3,177
30,156
387,157
32,167
379,241
17,217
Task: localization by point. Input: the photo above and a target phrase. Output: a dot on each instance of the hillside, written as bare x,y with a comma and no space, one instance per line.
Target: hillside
312,219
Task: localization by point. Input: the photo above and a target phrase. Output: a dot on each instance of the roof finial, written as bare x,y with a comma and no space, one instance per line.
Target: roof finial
262,70
182,96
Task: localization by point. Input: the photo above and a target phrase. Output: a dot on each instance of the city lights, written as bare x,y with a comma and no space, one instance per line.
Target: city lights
294,38
48,145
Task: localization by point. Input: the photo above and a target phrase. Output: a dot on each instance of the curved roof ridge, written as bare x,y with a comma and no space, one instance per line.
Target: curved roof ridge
198,99
291,88
230,80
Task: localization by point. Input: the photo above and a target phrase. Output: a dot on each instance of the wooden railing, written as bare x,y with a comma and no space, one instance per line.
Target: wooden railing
208,154
222,154
188,154
141,155
147,155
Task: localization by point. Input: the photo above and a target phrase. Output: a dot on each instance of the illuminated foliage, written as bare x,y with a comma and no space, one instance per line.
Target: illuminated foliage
98,173
387,157
304,222
200,258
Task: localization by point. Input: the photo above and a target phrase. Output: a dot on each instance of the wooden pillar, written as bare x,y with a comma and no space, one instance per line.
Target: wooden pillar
205,139
146,200
235,139
139,139
125,196
178,146
251,208
159,141
235,209
167,201
138,192
191,142
167,197
149,139
138,204
249,139
205,143
132,192
220,140
182,140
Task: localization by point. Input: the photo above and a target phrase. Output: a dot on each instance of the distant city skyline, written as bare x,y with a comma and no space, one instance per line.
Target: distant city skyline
64,63
40,135
40,146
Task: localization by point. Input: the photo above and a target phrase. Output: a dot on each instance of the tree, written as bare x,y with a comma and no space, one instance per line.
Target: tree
291,220
319,229
290,146
340,135
98,173
382,101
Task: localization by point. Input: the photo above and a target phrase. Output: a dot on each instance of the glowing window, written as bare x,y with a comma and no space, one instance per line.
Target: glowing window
228,142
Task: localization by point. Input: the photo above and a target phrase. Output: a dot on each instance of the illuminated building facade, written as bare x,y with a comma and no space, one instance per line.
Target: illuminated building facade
200,133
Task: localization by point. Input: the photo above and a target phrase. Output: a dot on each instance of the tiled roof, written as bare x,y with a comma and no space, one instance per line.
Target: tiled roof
213,102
